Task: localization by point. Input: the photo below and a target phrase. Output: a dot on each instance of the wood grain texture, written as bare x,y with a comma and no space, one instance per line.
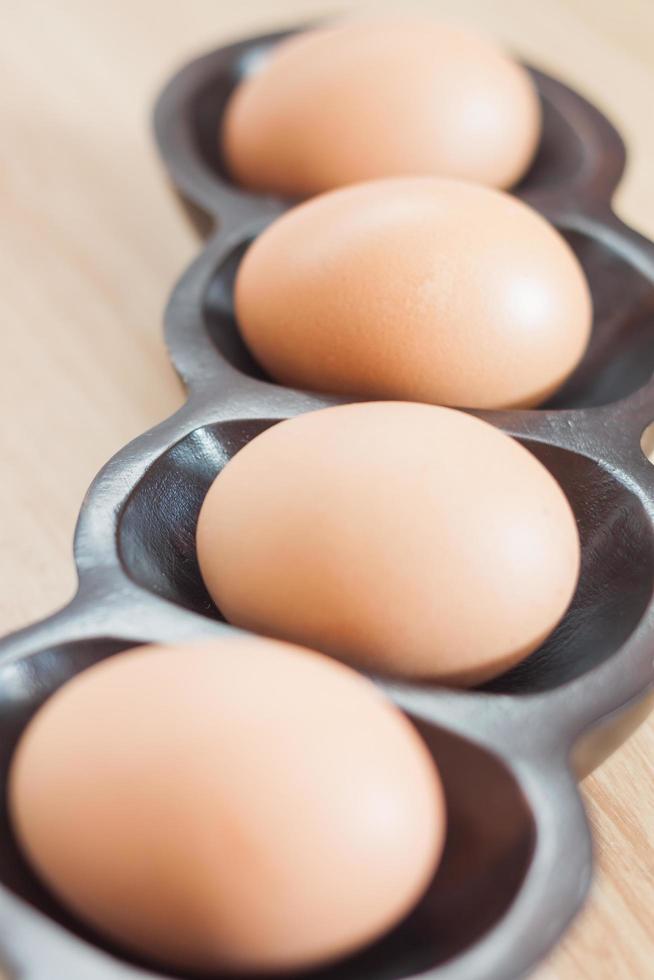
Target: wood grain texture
91,244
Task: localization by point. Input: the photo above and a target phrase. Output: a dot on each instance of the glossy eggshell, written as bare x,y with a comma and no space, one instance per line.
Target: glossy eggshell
408,539
378,99
416,288
236,806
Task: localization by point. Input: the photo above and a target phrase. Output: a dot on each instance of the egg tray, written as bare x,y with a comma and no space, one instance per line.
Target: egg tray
517,861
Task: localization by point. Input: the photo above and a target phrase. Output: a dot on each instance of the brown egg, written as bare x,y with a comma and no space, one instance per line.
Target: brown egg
409,539
416,288
378,99
241,805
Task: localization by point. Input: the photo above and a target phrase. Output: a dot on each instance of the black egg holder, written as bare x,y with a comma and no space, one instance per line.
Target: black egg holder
517,861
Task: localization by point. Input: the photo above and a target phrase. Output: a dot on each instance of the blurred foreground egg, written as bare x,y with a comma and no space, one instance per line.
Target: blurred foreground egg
415,288
236,806
408,539
378,99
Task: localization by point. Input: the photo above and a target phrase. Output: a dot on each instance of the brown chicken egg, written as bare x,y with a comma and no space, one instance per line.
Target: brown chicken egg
421,289
408,539
369,99
235,806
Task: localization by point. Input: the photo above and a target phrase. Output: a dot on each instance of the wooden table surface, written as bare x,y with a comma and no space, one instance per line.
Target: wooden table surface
91,243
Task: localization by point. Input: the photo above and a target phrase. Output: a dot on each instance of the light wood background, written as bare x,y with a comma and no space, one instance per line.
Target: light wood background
91,243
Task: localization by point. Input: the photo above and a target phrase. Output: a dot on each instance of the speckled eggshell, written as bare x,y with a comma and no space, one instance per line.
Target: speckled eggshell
235,806
422,289
407,539
378,99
